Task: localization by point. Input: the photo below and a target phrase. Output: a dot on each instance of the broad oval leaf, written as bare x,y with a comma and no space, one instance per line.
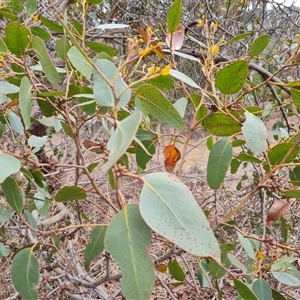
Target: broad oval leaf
128,239
231,79
262,289
220,124
80,62
215,270
258,45
9,165
25,101
69,193
47,65
95,246
218,162
278,152
17,38
103,91
174,16
169,208
255,133
156,104
122,138
25,274
40,32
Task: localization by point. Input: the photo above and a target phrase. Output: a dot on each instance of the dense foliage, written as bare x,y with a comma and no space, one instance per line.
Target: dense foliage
93,94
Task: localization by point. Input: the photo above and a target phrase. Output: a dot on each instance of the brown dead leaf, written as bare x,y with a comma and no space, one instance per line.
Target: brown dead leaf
278,210
172,155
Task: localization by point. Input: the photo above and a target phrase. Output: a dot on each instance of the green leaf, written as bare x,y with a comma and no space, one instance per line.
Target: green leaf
52,25
13,195
15,5
215,270
47,65
220,124
236,262
25,101
218,162
99,47
231,79
247,157
247,246
62,47
155,103
255,133
169,208
103,91
8,88
164,82
128,239
277,296
3,48
3,251
174,16
9,165
290,277
15,122
67,129
243,290
5,214
292,193
94,2
25,274
262,289
239,37
17,38
31,221
296,98
31,6
69,193
80,62
7,13
203,274
95,246
176,270
184,78
278,152
181,105
294,175
122,138
40,32
258,45
142,158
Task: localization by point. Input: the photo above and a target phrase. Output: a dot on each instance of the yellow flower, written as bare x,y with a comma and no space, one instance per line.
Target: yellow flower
166,70
260,255
215,49
36,17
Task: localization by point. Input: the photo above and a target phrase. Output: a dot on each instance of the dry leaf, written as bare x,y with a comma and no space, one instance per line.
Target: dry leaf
172,155
175,40
278,210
